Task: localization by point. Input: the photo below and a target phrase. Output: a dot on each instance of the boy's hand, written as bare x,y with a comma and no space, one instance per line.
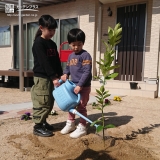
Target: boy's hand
77,89
56,82
64,77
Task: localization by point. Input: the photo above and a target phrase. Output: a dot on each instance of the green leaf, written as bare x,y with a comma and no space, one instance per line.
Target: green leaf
94,104
118,25
117,42
99,98
99,128
97,121
107,95
113,67
113,75
108,78
105,44
110,30
118,37
102,89
109,126
99,108
105,92
100,101
98,92
98,63
118,31
96,77
102,60
105,105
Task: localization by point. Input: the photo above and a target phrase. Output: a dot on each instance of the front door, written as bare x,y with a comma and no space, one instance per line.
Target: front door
129,52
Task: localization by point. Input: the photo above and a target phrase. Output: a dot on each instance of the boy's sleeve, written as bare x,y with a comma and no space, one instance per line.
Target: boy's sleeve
44,62
67,69
87,69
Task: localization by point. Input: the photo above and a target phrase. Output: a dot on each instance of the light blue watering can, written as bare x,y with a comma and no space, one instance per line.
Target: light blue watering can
67,100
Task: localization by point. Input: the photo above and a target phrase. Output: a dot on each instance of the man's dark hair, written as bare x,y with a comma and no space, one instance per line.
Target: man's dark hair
76,34
46,21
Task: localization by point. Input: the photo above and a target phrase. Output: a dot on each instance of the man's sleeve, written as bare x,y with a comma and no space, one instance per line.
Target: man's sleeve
87,69
67,69
44,60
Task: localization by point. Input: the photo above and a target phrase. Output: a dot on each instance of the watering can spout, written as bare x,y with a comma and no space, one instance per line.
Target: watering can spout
74,111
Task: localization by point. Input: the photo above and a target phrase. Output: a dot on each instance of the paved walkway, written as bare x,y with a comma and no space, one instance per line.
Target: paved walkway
16,110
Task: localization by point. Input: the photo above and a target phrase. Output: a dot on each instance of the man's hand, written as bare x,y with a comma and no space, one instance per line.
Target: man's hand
56,82
77,89
64,77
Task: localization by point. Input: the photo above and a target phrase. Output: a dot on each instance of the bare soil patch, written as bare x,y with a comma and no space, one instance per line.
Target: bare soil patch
136,136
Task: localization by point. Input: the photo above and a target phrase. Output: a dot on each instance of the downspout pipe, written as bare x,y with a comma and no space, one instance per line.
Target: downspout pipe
95,37
21,48
158,77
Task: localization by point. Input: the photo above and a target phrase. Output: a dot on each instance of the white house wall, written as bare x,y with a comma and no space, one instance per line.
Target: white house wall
84,10
152,56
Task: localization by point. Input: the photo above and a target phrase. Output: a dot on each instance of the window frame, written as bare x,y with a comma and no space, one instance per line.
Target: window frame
8,45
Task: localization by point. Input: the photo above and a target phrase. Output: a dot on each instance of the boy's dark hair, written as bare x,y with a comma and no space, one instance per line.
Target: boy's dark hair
76,34
46,21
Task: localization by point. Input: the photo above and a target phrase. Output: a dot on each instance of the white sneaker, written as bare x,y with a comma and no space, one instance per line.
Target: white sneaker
79,132
70,126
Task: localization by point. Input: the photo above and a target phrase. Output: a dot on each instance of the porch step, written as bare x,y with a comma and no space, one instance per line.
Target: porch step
123,88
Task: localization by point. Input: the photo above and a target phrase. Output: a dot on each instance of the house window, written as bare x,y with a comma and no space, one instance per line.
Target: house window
30,30
65,26
5,36
16,46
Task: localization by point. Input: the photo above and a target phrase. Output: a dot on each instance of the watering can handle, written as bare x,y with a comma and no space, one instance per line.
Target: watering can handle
79,97
60,81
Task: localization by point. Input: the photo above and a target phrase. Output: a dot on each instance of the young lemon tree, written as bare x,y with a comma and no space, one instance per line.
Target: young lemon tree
106,66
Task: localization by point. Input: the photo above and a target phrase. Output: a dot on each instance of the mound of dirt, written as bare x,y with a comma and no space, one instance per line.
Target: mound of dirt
125,142
86,148
135,137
